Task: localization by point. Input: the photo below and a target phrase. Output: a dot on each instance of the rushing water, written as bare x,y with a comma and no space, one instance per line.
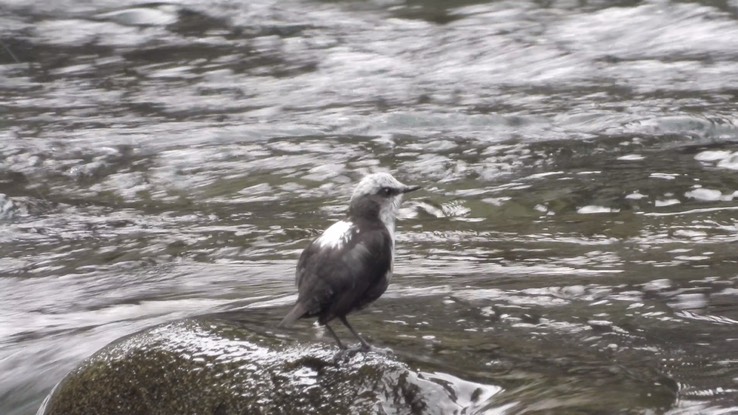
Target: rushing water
574,245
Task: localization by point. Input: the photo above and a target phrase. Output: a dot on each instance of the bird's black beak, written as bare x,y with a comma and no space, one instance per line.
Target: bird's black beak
409,189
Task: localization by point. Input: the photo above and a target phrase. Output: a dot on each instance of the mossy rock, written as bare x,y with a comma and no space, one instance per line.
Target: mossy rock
220,367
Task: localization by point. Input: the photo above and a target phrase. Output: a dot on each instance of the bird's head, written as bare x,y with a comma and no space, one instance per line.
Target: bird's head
378,195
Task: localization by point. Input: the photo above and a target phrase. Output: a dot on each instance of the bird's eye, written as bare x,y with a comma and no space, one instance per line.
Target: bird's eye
385,191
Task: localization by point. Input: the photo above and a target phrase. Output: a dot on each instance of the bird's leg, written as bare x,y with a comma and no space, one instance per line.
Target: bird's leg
365,346
345,354
335,337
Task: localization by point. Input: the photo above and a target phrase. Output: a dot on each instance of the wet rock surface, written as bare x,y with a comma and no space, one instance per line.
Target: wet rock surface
221,367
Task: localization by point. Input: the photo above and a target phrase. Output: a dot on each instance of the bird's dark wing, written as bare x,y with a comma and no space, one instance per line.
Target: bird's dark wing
332,282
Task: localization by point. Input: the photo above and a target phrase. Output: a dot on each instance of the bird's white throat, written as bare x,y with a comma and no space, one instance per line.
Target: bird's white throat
388,215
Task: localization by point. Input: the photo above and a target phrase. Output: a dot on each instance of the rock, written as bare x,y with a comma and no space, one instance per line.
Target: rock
220,367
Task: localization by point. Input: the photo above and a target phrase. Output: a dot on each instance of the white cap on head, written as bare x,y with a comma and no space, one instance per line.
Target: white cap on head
371,184
379,194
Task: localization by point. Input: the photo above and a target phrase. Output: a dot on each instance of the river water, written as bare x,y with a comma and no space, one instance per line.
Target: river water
574,246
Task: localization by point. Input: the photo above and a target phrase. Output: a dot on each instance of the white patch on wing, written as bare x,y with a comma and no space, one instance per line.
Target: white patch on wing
336,236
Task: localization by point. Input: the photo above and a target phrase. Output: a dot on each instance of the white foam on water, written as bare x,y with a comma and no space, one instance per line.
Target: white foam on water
590,209
631,157
704,195
666,202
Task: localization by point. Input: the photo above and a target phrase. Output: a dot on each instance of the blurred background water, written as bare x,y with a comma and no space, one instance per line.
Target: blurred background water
573,247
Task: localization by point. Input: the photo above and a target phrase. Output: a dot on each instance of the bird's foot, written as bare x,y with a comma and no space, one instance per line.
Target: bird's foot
346,354
379,350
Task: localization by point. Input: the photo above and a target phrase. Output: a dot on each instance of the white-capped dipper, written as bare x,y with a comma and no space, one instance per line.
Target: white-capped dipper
350,264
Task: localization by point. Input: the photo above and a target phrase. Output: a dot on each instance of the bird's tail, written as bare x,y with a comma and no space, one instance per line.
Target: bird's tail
297,311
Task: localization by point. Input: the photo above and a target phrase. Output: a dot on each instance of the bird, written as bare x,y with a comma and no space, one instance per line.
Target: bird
350,264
